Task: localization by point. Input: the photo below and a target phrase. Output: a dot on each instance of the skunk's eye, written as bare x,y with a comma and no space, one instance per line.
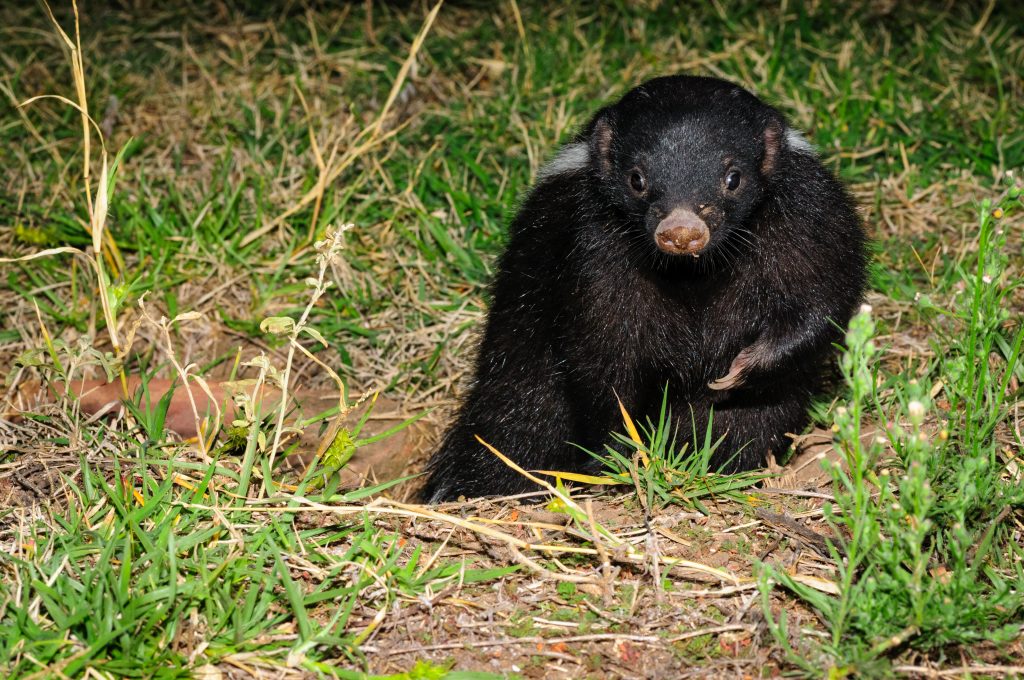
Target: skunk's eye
732,180
637,182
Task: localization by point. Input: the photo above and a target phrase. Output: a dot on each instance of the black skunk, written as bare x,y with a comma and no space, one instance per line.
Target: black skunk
687,237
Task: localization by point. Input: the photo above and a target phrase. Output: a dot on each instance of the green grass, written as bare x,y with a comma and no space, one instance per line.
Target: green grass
133,562
144,559
661,471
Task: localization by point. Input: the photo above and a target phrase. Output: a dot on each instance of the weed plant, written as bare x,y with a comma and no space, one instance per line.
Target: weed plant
927,560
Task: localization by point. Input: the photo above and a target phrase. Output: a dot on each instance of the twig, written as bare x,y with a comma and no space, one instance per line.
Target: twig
791,527
961,672
531,640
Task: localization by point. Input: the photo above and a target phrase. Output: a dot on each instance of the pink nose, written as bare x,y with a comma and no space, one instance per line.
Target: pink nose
682,233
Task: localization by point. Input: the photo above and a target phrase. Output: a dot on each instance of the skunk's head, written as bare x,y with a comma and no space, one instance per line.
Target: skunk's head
687,159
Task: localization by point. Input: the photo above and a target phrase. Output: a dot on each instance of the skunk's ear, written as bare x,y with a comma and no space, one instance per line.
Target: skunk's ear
601,136
772,139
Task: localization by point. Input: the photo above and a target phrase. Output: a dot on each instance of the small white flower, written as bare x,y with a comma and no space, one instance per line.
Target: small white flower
916,411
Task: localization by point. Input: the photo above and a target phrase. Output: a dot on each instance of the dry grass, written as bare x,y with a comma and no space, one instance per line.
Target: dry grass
254,131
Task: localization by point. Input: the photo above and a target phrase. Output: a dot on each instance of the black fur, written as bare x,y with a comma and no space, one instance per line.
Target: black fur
586,306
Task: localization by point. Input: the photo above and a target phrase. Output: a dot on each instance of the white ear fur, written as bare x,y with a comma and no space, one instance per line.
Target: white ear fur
796,142
569,158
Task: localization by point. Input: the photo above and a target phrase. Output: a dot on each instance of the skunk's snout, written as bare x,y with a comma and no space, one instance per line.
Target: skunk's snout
682,233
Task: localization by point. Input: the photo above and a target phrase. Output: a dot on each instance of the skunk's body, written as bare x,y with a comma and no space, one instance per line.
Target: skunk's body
686,238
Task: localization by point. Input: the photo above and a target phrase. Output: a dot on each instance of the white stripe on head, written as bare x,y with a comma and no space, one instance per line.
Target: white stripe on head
569,158
798,143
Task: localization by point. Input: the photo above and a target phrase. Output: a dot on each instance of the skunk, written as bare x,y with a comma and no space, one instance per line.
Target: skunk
686,239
